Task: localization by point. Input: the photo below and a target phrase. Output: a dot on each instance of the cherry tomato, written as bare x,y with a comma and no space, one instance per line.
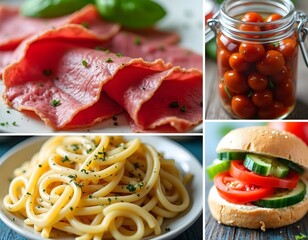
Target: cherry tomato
227,43
289,101
240,172
271,63
282,76
262,98
237,62
250,28
273,111
236,81
270,19
223,56
287,47
252,17
257,81
251,52
299,129
283,90
225,93
242,106
273,17
235,191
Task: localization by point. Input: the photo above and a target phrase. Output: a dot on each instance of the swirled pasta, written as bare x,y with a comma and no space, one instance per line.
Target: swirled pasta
97,187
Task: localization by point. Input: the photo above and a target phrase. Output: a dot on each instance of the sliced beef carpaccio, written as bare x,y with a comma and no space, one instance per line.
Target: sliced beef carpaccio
152,45
14,28
71,84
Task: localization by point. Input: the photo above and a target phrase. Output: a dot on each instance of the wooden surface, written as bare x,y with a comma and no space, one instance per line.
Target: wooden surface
214,230
213,110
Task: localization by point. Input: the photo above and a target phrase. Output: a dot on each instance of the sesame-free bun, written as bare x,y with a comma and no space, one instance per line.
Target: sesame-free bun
265,141
254,217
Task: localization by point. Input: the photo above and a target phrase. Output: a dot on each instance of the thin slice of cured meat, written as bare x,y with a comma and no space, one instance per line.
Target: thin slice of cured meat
66,83
88,16
14,28
153,46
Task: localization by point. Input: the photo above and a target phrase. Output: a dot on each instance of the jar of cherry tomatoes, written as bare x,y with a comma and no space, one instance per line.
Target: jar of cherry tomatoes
257,51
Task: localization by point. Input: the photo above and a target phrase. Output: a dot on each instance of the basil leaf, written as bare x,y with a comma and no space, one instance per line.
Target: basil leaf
51,8
131,13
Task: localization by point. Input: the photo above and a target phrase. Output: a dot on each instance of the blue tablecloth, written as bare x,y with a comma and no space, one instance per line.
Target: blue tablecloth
193,144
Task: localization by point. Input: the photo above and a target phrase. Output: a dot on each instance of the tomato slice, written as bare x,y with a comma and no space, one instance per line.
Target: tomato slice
239,171
236,191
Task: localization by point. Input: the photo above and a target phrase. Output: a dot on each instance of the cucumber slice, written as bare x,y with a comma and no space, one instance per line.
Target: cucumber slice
265,166
258,164
231,155
292,165
279,169
217,167
284,197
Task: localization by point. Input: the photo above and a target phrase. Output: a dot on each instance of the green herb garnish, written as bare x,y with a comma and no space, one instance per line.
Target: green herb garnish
55,102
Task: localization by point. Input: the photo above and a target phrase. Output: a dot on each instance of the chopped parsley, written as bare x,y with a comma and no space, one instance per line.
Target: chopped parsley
119,54
75,147
8,111
131,188
14,123
137,41
47,72
65,159
40,165
167,229
55,102
109,60
78,184
84,171
85,24
174,104
183,109
99,48
84,63
107,51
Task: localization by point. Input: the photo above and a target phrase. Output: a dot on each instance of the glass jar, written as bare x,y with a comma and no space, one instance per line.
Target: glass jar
257,52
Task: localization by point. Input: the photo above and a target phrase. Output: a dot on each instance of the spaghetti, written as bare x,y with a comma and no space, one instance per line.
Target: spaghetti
97,187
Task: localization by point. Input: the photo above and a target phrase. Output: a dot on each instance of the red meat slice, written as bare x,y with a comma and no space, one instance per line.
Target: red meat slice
11,37
14,28
153,46
53,68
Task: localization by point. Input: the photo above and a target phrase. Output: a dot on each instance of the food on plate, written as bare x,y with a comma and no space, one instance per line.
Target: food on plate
87,70
260,180
97,187
258,74
75,84
25,27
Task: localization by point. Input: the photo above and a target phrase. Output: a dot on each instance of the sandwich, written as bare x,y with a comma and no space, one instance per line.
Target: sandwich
260,179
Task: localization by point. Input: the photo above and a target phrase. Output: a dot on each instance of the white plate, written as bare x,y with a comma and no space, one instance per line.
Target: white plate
184,17
184,159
